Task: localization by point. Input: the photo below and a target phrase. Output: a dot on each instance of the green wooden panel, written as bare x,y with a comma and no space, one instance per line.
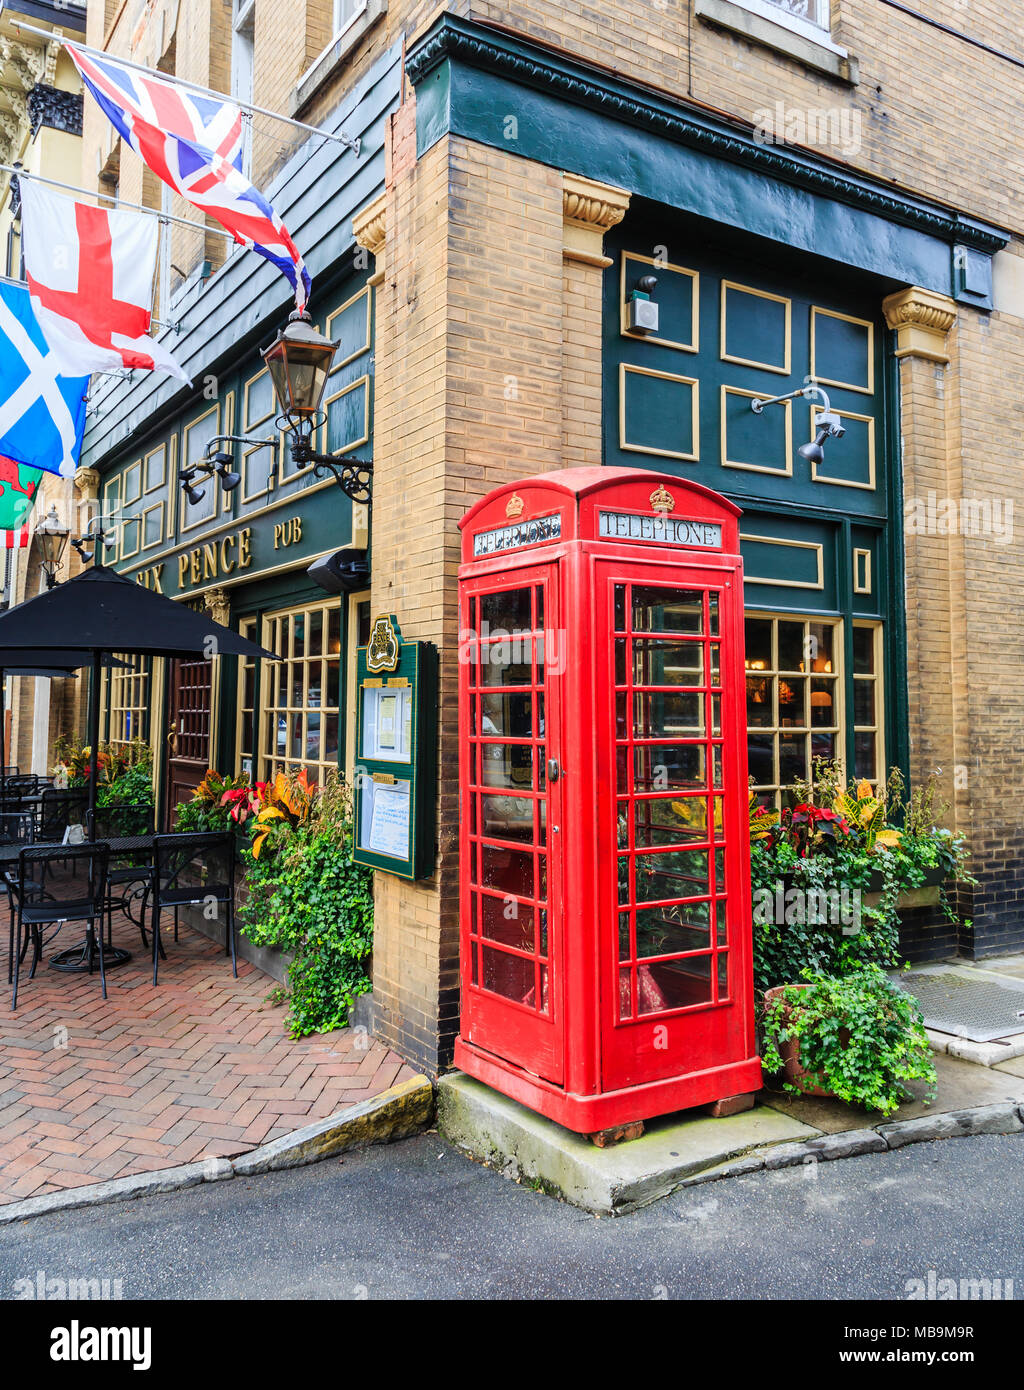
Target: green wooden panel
756,327
348,415
658,413
789,562
738,323
842,350
759,442
852,460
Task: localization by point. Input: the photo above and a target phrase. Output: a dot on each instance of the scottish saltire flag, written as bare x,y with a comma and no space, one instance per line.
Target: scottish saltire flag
42,414
194,144
90,275
18,487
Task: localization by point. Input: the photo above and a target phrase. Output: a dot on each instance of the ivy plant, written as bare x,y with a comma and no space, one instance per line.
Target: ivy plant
860,1037
307,897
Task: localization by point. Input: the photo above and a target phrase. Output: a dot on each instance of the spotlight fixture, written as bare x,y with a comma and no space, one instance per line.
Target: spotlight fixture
826,426
102,538
219,464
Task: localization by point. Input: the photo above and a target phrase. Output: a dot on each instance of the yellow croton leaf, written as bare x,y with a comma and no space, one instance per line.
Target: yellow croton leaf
888,837
257,843
863,789
270,813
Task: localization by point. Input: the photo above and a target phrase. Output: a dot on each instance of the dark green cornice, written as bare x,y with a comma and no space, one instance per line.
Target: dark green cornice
528,64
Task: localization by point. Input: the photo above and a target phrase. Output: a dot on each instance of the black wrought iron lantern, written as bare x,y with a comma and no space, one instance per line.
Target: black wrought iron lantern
52,535
299,360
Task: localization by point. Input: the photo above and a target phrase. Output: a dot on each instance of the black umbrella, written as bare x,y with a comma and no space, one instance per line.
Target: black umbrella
100,611
46,664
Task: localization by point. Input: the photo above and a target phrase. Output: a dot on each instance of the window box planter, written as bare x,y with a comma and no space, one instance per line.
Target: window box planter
925,895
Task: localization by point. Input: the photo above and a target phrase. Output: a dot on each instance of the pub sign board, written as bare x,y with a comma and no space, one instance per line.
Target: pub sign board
396,753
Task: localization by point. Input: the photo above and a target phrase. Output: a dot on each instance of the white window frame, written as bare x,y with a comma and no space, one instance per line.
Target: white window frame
772,10
355,8
243,44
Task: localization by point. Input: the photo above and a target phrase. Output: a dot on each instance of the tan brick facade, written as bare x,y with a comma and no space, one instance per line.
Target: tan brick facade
489,328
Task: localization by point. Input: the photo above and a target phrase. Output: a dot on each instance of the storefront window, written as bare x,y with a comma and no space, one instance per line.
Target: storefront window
796,701
302,699
868,750
128,700
247,701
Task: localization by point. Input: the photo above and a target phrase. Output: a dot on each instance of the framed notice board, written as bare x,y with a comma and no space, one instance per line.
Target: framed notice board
396,753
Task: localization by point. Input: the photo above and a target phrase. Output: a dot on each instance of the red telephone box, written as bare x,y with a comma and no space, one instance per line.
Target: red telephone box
604,851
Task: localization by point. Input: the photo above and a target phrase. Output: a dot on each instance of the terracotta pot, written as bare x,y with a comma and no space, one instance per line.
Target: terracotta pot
796,1074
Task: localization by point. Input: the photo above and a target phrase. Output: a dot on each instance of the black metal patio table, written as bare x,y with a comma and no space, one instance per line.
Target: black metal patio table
82,958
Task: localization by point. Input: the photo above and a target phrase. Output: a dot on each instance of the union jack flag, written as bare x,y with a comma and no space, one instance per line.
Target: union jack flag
194,144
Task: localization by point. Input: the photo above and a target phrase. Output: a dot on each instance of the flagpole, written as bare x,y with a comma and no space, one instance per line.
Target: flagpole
118,202
193,86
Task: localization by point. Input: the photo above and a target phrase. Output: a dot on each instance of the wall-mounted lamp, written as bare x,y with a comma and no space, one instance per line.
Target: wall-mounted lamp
217,463
299,361
827,426
52,536
642,312
102,539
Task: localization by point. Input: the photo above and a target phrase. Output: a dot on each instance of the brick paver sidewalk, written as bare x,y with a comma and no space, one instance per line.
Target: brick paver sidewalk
199,1067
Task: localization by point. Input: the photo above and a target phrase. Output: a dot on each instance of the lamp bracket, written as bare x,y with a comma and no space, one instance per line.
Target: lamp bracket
811,389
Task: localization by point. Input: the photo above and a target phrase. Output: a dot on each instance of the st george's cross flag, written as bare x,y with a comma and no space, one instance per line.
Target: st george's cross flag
194,144
90,274
42,413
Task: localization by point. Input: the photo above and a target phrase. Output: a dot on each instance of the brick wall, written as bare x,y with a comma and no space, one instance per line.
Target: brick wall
469,395
947,97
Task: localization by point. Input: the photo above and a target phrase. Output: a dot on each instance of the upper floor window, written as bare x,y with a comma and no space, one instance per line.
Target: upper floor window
811,16
242,44
345,11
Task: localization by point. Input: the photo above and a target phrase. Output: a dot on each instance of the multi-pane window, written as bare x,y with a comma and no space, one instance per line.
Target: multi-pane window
247,701
868,744
793,700
128,700
797,701
301,701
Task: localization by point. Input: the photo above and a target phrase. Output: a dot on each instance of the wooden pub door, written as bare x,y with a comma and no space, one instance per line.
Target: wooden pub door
188,734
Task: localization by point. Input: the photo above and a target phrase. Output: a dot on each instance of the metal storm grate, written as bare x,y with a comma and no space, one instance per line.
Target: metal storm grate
969,1008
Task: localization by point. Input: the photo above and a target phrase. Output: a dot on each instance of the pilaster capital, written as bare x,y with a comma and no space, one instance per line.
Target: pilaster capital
588,210
921,320
369,226
87,482
218,605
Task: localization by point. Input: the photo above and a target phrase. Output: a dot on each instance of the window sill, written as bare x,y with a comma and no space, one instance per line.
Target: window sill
335,55
818,53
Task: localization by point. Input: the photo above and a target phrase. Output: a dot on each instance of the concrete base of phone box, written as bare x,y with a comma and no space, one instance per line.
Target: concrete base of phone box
589,1114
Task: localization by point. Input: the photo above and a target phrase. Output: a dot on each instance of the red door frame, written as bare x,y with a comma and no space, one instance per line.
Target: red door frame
518,1033
656,1047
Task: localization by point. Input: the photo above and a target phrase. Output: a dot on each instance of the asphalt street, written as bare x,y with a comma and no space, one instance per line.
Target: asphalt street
418,1220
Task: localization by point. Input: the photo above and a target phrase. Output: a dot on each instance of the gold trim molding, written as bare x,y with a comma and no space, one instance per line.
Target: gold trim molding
921,319
369,226
588,210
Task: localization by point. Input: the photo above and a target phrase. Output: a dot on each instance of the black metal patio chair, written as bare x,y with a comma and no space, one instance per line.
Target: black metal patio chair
130,874
59,808
16,828
76,894
194,871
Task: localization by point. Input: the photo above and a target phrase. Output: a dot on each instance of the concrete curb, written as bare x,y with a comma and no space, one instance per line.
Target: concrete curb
1004,1118
395,1114
531,1150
